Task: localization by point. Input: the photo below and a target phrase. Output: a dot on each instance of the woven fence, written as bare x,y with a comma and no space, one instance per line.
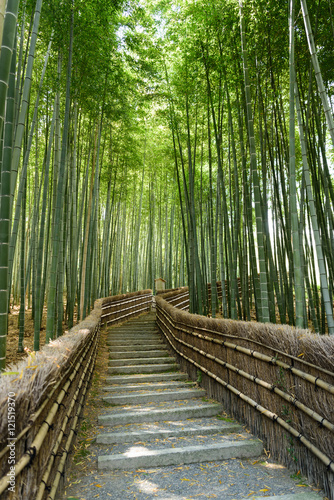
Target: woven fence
275,378
41,400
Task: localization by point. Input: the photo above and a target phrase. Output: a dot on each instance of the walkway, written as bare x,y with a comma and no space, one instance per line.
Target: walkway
161,438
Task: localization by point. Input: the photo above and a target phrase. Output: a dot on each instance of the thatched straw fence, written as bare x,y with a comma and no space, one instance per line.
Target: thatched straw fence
177,297
41,400
277,379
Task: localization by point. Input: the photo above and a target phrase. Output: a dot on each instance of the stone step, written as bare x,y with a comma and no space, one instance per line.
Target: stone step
134,342
185,429
156,415
128,337
144,386
130,347
134,328
141,361
154,377
154,396
138,354
149,320
142,457
137,324
134,332
143,368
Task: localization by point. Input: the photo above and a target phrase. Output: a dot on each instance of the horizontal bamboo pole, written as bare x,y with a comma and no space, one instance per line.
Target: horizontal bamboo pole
39,438
301,361
270,387
48,398
125,308
138,302
327,461
174,299
181,303
66,451
90,363
125,315
59,390
123,301
316,381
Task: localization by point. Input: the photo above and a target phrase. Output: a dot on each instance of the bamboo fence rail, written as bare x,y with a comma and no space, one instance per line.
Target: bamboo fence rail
117,308
49,390
276,379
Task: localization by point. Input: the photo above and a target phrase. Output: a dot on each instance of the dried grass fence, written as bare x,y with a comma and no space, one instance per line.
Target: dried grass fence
277,379
41,400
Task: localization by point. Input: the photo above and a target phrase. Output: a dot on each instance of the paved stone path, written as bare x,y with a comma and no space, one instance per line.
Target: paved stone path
163,439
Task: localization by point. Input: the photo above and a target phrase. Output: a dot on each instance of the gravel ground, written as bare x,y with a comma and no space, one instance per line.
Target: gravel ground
231,479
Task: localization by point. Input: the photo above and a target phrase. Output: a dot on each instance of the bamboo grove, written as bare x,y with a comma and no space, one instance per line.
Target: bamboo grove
190,140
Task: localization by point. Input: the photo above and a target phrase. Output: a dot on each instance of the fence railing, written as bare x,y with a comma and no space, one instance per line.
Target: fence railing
276,379
123,307
177,297
41,400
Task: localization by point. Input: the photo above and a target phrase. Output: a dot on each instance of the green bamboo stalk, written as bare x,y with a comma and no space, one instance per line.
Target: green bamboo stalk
298,275
25,100
2,17
257,195
22,272
314,220
9,32
317,71
59,200
23,176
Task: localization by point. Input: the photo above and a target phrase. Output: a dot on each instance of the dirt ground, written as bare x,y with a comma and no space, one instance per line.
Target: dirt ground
13,356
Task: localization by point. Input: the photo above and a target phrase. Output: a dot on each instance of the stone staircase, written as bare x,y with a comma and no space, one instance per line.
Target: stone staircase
157,416
159,437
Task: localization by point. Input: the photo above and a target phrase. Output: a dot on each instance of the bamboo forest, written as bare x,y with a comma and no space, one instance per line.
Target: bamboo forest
189,140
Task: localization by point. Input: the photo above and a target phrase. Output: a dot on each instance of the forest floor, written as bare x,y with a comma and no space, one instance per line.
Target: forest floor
13,356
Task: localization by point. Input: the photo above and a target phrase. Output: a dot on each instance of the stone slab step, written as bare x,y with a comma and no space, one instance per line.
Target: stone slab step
141,361
152,386
125,342
156,415
142,457
297,496
148,321
133,329
154,377
186,430
154,396
128,338
143,368
134,334
129,348
164,367
139,354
